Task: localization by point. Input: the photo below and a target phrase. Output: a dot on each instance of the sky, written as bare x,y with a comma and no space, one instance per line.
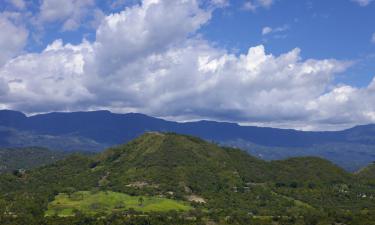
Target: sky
300,64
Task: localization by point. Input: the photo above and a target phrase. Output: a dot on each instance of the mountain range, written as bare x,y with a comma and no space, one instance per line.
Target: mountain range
93,131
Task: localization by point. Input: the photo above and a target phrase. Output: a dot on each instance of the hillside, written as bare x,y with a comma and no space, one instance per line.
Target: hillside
219,182
27,158
96,130
367,172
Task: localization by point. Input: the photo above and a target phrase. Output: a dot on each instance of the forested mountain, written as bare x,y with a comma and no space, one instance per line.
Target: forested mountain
139,182
93,131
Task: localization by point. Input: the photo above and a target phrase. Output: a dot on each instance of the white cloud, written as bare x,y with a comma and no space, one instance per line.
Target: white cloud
19,4
373,38
220,3
69,12
363,2
345,105
249,5
279,32
118,3
14,38
265,3
266,30
281,28
4,88
252,5
145,29
98,16
52,79
148,59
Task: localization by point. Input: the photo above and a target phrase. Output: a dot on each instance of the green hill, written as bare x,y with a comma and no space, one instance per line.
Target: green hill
368,172
311,169
169,162
201,179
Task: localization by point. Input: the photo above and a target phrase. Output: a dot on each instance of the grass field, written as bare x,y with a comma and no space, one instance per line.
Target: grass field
297,203
108,202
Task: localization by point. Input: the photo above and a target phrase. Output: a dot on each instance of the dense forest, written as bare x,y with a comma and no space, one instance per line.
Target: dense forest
27,158
166,178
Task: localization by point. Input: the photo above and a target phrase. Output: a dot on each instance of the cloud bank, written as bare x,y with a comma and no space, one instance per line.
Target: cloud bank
13,38
150,58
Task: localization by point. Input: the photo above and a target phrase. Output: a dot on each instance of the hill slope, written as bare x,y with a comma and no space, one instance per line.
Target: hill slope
27,158
367,172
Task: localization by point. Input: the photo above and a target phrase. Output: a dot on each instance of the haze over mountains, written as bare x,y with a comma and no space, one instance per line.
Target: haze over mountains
93,131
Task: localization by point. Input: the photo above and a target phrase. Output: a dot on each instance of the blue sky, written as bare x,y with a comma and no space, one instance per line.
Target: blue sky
322,29
284,63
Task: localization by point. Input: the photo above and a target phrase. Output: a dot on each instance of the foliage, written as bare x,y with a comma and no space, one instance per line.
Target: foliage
224,185
26,158
107,202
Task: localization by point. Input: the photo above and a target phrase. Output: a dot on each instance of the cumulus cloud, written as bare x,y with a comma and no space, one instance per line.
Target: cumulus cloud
69,12
145,29
52,79
148,58
363,2
345,105
3,88
15,39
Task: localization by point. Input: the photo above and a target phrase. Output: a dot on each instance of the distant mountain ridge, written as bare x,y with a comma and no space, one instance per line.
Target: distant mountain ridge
124,127
98,129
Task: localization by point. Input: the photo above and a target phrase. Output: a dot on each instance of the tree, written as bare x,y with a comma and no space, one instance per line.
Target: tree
70,191
2,209
140,201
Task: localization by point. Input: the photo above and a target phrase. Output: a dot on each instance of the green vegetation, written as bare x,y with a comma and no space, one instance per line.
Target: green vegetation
367,172
142,181
110,202
26,158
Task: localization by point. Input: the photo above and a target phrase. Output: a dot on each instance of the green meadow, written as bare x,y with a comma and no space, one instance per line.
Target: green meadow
108,202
